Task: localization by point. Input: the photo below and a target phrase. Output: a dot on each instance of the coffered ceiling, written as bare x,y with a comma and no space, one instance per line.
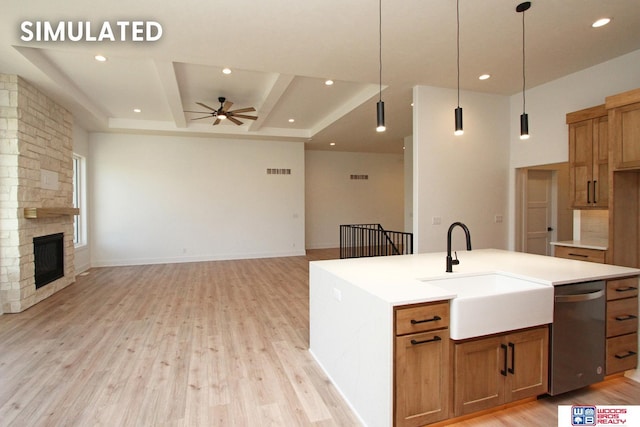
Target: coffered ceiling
282,51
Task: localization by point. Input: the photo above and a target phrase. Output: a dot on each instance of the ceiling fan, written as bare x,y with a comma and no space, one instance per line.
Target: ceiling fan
223,113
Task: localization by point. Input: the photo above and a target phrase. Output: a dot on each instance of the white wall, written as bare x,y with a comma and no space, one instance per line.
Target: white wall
82,255
547,106
408,184
159,199
332,198
461,178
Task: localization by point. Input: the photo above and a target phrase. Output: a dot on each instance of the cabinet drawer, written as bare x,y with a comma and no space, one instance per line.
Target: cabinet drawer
422,318
622,288
622,353
622,316
580,254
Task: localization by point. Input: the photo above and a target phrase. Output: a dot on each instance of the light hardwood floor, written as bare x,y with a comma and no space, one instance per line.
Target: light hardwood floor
201,344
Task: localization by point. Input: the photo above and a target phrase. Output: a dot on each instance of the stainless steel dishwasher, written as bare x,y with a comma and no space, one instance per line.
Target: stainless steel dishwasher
577,354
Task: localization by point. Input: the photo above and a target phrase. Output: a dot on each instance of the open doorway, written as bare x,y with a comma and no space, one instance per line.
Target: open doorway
543,211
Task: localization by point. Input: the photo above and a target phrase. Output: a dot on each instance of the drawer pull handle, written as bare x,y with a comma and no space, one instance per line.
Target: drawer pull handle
579,255
433,319
627,289
627,354
434,339
626,317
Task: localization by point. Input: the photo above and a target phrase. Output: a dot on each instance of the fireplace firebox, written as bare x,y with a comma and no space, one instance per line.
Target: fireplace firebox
49,258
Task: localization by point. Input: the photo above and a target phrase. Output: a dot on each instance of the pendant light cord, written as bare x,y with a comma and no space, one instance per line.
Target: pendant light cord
523,68
380,45
458,45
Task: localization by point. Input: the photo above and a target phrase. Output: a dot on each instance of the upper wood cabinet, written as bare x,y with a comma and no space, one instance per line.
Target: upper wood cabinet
624,129
589,158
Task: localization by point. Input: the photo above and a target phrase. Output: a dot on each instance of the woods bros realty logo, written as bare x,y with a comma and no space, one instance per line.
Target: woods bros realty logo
598,415
86,31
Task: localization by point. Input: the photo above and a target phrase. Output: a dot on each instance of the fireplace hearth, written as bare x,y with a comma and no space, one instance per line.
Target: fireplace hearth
48,254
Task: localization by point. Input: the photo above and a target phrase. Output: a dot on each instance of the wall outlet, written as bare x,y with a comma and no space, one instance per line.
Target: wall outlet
337,294
436,220
498,219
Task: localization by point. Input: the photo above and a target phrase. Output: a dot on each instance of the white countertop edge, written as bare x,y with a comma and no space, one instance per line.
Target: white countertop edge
585,244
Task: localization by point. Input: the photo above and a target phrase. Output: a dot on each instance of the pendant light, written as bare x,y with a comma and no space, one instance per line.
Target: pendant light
380,105
524,117
458,110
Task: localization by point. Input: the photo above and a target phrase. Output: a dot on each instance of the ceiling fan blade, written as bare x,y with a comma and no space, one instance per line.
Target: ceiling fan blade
204,117
205,106
200,112
244,116
231,119
242,110
226,106
216,122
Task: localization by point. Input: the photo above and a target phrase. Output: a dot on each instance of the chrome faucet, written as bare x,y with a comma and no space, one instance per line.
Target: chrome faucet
451,262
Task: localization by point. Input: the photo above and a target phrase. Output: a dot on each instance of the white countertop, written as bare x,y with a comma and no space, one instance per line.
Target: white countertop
396,279
597,244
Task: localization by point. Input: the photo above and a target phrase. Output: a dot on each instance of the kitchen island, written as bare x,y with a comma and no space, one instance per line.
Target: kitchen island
353,303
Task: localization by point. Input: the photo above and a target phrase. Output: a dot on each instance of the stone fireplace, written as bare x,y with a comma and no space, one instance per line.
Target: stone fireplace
36,190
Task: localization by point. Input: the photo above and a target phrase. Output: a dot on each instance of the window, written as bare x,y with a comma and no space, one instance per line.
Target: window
79,238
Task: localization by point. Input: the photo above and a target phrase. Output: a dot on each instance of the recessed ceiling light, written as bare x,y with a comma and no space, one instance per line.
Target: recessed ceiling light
100,58
137,110
484,76
601,22
332,143
328,82
292,120
226,70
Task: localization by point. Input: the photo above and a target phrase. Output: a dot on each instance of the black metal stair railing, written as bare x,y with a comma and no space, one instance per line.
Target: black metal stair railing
367,240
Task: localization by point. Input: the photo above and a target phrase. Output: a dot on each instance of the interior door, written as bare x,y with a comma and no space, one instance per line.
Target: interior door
538,212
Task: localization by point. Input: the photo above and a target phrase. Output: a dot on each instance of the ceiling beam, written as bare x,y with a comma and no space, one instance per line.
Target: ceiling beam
278,88
66,85
167,74
358,99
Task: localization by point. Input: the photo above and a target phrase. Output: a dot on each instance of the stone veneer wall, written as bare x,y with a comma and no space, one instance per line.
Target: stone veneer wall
36,170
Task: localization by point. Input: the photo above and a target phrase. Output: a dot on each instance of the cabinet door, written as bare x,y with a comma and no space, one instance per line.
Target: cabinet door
600,176
479,372
581,162
625,136
528,364
422,378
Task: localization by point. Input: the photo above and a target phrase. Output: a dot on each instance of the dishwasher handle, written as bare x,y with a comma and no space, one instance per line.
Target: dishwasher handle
580,297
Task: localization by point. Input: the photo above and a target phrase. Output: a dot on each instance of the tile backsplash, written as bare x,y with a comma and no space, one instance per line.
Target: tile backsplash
593,224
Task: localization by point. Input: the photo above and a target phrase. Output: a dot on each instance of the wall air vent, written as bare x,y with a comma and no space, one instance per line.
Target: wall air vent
359,176
274,171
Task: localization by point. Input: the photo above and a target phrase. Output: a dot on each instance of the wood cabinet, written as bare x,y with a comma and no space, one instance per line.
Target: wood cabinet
624,128
622,324
421,364
624,213
500,369
589,158
581,254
